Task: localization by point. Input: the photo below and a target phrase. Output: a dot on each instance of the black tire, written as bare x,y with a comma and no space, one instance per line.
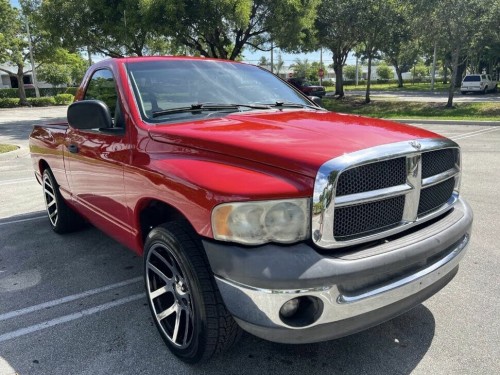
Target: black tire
183,296
61,217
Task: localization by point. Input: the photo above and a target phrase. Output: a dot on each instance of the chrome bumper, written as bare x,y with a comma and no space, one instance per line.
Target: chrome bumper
339,306
347,310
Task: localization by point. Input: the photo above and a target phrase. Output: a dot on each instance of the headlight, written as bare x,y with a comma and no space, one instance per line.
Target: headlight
255,223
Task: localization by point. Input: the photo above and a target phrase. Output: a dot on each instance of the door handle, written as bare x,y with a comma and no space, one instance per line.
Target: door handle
72,148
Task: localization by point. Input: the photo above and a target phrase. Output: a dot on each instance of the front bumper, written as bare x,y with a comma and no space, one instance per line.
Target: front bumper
356,289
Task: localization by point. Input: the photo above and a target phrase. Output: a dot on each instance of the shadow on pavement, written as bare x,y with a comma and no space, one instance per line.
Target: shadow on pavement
124,340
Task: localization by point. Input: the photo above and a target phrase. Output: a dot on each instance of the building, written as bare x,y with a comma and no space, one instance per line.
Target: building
10,81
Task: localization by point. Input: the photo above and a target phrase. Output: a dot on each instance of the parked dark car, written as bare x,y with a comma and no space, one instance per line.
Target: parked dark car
307,88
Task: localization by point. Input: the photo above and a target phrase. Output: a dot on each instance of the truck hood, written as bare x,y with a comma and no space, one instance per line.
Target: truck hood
296,140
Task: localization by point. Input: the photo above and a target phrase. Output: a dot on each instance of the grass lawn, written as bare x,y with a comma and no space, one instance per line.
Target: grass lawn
408,86
7,148
415,110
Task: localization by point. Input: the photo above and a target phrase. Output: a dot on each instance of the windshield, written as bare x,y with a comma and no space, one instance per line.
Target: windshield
472,79
172,90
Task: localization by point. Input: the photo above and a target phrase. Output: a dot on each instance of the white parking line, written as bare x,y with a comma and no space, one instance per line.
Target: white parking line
18,180
68,318
66,299
476,132
23,220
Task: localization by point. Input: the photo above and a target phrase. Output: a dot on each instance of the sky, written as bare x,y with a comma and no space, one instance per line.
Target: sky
254,57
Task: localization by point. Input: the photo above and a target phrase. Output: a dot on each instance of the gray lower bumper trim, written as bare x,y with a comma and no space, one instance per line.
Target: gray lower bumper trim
334,330
262,306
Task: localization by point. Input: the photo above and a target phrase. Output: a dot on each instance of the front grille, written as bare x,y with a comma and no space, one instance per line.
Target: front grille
372,177
364,218
435,196
436,162
372,198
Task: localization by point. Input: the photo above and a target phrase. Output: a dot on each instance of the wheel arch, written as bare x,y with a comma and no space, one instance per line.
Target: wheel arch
42,166
151,212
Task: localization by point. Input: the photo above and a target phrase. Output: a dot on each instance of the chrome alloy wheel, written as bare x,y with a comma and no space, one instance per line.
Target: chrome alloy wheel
170,296
49,194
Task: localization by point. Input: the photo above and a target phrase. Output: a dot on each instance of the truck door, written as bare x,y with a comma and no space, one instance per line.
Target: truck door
96,159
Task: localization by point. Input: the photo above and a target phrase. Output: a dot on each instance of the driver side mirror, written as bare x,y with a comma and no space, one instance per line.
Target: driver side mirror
89,114
317,100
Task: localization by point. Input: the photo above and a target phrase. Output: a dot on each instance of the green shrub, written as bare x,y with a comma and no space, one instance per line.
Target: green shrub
71,90
41,102
30,92
64,99
8,93
9,102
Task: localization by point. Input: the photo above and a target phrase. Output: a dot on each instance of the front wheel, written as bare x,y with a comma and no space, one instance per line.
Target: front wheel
183,296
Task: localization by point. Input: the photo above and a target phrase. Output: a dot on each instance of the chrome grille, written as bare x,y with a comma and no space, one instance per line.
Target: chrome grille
363,218
437,162
374,193
372,177
435,196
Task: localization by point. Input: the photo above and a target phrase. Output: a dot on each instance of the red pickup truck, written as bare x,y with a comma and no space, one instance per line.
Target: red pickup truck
253,208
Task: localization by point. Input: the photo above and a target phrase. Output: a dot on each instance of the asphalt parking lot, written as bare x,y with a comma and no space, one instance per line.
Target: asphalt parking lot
74,304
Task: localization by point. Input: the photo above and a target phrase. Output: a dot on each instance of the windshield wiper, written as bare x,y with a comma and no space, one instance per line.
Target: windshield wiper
198,107
294,105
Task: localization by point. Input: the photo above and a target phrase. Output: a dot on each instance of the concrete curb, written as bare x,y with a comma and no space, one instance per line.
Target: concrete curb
21,152
447,122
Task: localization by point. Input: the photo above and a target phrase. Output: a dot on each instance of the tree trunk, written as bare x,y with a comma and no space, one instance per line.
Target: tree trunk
338,67
339,81
369,79
445,74
20,85
460,72
399,73
454,72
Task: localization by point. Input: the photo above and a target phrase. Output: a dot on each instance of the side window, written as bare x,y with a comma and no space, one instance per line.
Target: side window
102,87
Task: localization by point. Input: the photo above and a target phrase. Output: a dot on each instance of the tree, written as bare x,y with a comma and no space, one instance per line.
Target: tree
223,28
420,70
65,69
279,65
14,45
401,47
455,25
263,61
350,72
113,28
339,29
374,37
8,16
302,68
384,71
314,71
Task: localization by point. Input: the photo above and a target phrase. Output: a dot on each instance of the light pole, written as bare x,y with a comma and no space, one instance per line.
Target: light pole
32,60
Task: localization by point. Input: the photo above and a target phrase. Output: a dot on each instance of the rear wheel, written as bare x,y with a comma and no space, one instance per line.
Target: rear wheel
62,218
183,296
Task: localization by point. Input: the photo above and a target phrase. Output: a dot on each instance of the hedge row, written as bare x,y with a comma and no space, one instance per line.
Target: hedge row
30,93
59,99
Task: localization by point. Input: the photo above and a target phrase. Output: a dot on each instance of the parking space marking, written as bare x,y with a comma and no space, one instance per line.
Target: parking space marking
70,317
66,299
22,220
477,132
11,182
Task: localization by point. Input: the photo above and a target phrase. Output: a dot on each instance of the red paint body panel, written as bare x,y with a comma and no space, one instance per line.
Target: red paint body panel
296,140
193,166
